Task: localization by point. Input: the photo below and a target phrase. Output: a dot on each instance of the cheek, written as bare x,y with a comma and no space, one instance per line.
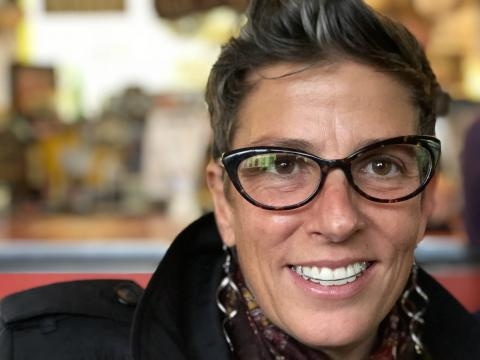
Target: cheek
261,240
263,228
252,223
402,226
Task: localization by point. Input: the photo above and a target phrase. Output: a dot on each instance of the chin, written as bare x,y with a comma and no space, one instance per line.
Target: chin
330,332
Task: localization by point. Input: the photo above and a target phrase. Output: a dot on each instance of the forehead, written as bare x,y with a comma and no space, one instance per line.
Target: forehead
336,106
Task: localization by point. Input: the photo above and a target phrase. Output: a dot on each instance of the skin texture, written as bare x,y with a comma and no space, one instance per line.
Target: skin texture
328,111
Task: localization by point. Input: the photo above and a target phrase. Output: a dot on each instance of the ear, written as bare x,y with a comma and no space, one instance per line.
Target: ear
427,204
221,204
428,196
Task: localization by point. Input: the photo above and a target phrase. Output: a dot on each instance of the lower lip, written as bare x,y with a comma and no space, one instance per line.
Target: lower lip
336,292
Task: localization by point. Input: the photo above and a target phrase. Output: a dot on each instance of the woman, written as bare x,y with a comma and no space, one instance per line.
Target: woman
323,119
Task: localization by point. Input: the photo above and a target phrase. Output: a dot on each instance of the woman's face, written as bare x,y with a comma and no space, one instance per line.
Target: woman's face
329,112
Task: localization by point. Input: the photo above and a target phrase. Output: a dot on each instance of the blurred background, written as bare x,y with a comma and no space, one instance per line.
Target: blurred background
104,133
103,128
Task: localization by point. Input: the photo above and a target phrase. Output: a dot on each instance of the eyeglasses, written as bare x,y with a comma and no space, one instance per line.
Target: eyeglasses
278,178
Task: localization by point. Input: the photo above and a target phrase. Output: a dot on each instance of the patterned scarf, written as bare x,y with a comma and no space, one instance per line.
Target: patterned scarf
253,336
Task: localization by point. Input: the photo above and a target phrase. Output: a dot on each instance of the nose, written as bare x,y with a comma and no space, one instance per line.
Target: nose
334,213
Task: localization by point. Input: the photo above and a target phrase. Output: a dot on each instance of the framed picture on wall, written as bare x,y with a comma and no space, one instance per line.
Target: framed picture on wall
32,89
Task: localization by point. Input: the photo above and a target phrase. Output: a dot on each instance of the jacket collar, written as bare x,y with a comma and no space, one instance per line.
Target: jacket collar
177,316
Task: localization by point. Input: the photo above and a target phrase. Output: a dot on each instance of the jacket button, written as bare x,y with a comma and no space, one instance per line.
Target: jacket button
128,294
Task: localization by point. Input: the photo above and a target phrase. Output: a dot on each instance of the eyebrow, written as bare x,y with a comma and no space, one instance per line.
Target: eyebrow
367,142
300,144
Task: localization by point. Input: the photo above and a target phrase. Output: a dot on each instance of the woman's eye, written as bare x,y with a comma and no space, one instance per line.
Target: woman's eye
275,164
382,167
288,164
284,166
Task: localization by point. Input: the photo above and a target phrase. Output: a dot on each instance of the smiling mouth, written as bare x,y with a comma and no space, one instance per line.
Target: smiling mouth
332,277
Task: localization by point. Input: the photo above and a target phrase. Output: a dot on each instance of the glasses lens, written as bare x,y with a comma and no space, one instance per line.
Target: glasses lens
279,179
392,172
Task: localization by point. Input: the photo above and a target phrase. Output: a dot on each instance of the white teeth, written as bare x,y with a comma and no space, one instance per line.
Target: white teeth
328,277
350,270
307,271
340,273
326,273
315,273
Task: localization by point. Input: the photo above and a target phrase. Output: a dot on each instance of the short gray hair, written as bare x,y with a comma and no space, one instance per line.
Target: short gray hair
316,31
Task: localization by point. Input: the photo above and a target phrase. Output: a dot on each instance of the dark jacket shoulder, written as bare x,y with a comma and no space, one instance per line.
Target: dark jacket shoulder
178,317
76,320
450,331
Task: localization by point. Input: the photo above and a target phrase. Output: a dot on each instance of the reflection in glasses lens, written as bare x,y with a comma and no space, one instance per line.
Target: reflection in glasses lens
279,178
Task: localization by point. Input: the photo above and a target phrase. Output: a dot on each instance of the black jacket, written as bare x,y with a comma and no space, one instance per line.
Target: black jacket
76,320
177,317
